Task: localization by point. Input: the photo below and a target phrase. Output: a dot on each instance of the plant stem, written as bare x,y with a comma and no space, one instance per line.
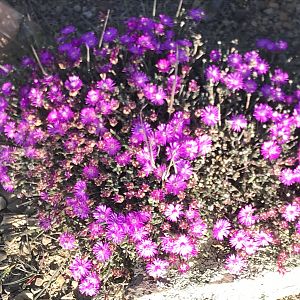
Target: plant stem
104,28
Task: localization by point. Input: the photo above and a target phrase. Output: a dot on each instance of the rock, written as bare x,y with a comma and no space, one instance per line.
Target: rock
77,8
3,203
3,255
46,241
39,282
269,11
88,14
25,295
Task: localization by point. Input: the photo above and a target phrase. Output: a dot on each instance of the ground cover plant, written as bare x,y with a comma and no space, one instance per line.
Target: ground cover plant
140,145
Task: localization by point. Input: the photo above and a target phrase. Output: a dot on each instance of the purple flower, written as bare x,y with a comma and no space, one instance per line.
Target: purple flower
65,113
139,79
102,213
204,144
73,84
210,115
88,116
173,212
237,123
287,177
107,85
166,20
221,229
234,81
250,86
238,239
291,212
279,77
123,159
175,184
215,55
90,172
101,251
90,285
213,74
146,249
262,67
110,34
80,267
163,65
184,169
270,150
245,216
235,264
198,228
157,268
262,112
184,247
67,241
89,39
93,97
189,149
111,146
234,60
68,30
196,14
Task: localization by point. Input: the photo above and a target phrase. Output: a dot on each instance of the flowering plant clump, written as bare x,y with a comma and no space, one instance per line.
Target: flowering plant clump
138,146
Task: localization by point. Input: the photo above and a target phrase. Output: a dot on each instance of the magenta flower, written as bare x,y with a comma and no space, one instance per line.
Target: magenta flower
215,55
196,14
90,172
157,268
262,67
210,115
270,150
204,144
245,216
287,176
110,34
88,116
67,241
146,249
189,149
173,212
221,229
291,212
90,285
198,228
262,112
80,267
163,65
234,60
184,246
101,251
175,184
111,146
250,246
73,84
263,238
213,74
234,264
234,81
237,123
279,77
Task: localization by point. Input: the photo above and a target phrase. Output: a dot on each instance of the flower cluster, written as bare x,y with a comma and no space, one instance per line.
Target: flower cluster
125,141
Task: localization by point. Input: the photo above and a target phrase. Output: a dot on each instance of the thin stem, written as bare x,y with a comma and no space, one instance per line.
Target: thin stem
88,58
154,8
38,60
179,8
171,103
104,28
149,145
